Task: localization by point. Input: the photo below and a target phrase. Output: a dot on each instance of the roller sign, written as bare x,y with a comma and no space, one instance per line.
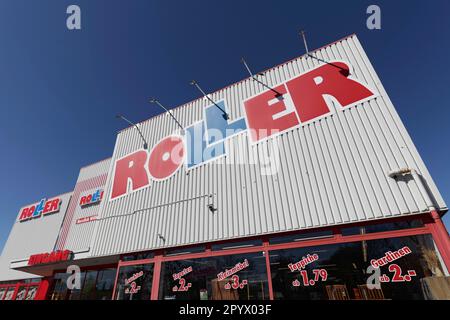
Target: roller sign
301,100
92,198
42,208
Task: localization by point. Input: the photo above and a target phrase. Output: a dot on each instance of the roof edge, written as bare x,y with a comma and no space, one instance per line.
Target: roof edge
242,80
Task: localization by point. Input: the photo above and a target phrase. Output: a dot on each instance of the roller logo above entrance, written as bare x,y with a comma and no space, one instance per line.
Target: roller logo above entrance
293,103
44,207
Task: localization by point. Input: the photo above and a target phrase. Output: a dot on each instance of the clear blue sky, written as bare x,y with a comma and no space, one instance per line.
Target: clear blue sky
60,89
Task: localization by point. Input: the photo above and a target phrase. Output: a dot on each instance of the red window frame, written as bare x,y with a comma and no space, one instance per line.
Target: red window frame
19,285
432,225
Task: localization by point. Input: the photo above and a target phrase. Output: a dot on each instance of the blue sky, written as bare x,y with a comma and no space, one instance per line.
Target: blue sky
60,89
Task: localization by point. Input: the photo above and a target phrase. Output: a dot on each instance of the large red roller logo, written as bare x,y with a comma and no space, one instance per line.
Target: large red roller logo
133,171
301,100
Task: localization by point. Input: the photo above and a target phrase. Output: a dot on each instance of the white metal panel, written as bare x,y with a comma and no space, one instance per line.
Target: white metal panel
77,237
31,237
332,171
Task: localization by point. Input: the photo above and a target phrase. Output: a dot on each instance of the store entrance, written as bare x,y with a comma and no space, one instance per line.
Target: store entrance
95,284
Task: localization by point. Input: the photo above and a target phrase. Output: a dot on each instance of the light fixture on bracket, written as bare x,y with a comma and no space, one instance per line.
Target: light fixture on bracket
253,76
302,33
154,100
225,114
119,116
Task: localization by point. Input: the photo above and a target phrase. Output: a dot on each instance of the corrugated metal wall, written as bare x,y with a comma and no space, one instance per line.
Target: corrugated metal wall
31,237
77,237
332,171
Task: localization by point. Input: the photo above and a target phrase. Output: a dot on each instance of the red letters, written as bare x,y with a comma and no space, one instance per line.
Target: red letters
166,157
55,256
267,114
51,206
83,200
42,208
331,79
131,168
26,214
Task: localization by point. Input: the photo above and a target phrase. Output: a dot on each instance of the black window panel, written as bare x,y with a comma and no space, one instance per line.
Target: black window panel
126,288
347,269
179,251
89,292
235,245
383,227
105,284
301,237
75,294
202,282
138,256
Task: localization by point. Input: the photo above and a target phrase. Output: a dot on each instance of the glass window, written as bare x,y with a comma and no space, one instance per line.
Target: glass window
31,294
138,256
298,273
235,245
178,251
105,284
408,224
233,277
134,282
75,293
9,293
403,268
21,293
302,237
88,292
31,280
95,285
2,293
416,275
60,291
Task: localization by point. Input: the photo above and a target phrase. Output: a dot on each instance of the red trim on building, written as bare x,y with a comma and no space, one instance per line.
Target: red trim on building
43,289
440,236
269,272
156,277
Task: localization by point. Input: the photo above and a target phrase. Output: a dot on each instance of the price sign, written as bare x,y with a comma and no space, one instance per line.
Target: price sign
318,275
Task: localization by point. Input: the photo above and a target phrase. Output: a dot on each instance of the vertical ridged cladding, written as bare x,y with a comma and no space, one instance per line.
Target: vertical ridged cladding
332,171
31,237
77,237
